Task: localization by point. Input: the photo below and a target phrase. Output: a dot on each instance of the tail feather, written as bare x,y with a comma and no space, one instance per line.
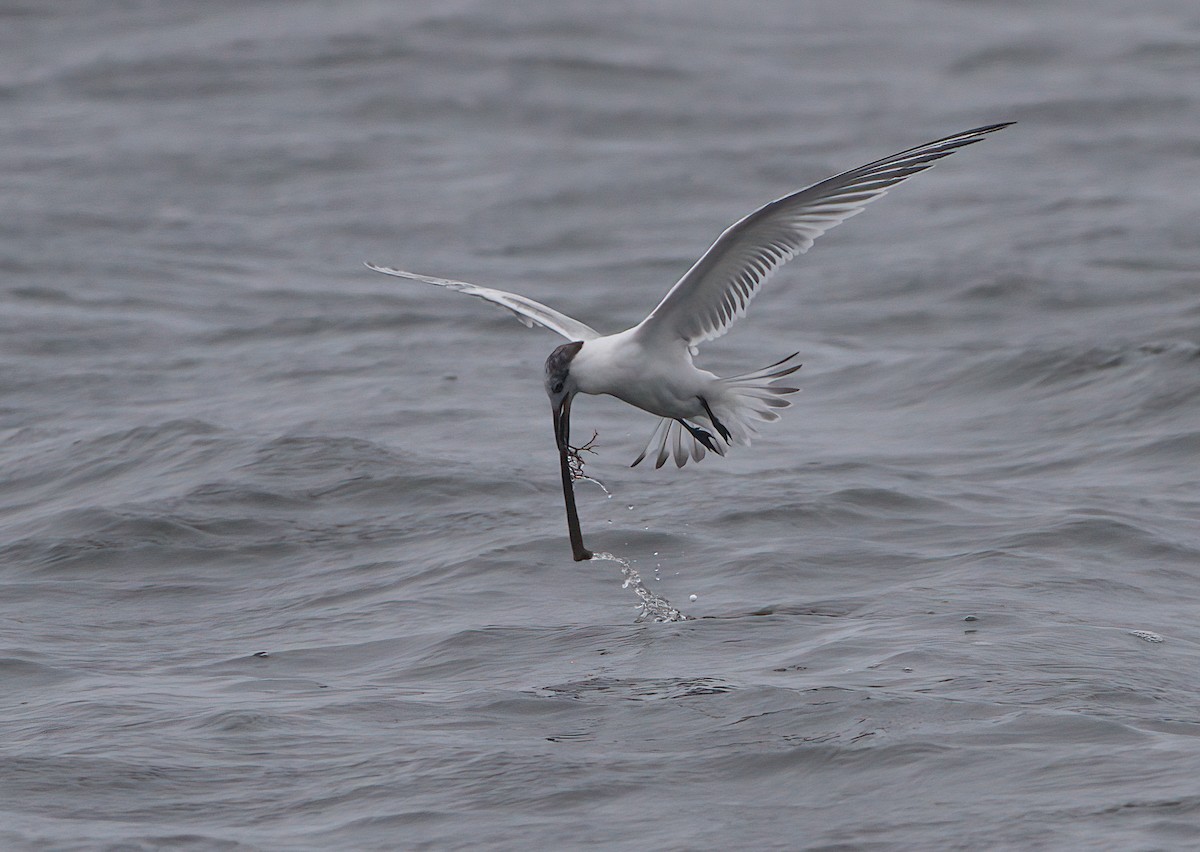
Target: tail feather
670,438
741,399
754,396
754,377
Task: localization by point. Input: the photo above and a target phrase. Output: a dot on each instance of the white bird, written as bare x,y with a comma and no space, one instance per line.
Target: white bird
650,365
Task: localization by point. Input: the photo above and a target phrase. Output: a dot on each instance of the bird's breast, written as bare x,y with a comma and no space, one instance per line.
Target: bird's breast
662,383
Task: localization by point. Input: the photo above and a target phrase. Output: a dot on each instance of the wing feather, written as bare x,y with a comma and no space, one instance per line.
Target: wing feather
717,290
529,312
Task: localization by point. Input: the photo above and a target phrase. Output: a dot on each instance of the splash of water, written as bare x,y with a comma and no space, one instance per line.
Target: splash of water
592,479
1147,636
654,607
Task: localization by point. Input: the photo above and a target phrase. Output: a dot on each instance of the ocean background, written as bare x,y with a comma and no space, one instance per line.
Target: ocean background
283,562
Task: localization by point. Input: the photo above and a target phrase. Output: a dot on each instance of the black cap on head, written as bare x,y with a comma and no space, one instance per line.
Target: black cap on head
558,365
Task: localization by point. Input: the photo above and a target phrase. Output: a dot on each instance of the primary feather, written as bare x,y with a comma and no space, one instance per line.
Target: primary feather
719,286
529,312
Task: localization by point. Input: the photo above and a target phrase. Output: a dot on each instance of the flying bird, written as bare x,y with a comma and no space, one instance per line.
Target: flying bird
650,365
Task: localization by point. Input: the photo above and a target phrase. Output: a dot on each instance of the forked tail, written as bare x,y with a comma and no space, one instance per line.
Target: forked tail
731,412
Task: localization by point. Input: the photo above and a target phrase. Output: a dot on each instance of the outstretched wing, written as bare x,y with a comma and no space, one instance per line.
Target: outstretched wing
719,287
528,311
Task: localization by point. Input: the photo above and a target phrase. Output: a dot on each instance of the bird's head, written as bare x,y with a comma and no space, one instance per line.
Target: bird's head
561,387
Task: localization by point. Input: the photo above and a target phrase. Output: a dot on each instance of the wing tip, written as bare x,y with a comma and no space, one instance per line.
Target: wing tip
975,134
988,128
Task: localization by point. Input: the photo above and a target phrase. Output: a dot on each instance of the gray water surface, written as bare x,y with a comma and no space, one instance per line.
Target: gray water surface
282,551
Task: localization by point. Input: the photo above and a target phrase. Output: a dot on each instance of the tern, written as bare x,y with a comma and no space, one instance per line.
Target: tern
650,365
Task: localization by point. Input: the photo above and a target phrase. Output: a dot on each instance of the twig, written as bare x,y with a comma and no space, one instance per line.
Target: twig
575,460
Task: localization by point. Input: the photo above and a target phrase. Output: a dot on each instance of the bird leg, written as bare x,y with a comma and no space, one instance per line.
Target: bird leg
720,426
702,435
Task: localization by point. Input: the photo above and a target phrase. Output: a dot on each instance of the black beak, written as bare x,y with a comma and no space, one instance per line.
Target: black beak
562,437
562,422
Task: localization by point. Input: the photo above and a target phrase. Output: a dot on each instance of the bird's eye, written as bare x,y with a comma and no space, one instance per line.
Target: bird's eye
558,387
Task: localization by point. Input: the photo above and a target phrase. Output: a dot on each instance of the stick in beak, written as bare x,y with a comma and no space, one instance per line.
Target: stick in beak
562,436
